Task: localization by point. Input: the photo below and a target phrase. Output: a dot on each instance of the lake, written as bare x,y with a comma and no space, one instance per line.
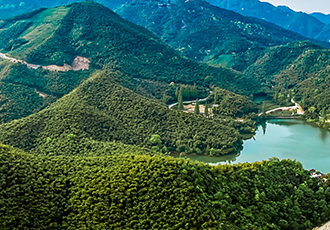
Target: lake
285,139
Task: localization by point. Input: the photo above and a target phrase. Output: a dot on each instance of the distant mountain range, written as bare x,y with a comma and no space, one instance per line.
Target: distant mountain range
207,33
312,26
325,18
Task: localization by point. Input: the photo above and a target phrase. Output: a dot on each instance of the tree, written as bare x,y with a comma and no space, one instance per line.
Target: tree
206,112
155,139
177,92
71,137
164,99
276,95
290,95
196,111
215,98
311,109
180,100
323,117
194,91
264,108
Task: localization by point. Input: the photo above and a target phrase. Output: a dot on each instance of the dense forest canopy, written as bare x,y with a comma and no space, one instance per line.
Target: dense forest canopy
137,191
103,110
88,29
204,32
299,67
88,149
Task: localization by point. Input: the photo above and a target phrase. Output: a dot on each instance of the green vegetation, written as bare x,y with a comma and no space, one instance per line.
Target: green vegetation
180,99
18,100
205,32
95,156
103,110
11,8
232,105
94,31
88,29
135,191
196,110
19,87
206,113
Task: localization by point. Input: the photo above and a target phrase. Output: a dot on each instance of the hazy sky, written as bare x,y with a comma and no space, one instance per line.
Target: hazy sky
304,5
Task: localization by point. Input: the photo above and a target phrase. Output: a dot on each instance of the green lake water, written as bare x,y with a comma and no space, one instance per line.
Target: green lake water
284,139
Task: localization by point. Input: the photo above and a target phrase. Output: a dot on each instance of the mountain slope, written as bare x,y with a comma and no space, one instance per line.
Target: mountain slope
325,18
135,191
90,30
300,67
298,22
93,31
103,110
207,33
106,39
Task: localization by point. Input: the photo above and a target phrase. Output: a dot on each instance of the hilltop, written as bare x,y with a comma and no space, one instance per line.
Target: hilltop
102,110
207,33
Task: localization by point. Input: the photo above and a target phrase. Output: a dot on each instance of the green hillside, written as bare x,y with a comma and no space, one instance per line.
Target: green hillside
273,60
18,100
309,77
205,32
56,36
102,110
100,35
301,68
136,191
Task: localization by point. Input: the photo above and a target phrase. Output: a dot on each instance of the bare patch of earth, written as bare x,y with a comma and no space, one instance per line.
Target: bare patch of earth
79,63
41,94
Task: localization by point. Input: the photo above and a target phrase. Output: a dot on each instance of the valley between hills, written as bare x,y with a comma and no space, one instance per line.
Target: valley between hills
102,112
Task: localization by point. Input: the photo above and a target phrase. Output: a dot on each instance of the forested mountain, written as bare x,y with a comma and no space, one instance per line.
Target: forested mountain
299,22
93,142
136,191
300,67
90,30
102,110
205,32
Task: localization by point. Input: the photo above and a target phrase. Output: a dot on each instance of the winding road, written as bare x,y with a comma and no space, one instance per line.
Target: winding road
296,106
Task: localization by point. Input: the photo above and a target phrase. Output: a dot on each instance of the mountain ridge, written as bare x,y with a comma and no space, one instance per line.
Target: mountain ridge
201,31
299,22
93,31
